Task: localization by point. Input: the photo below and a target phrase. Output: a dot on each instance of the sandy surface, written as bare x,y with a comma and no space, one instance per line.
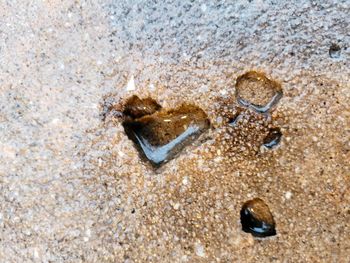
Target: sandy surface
73,187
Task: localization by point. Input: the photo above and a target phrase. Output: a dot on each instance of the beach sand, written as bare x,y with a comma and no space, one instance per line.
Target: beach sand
73,187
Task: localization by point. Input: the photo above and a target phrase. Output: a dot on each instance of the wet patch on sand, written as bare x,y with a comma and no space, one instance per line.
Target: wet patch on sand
256,218
254,90
192,205
159,134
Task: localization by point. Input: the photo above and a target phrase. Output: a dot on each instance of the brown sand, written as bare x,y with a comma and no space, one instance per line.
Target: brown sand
74,188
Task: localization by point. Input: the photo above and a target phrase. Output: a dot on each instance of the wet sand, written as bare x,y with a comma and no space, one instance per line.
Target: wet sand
74,187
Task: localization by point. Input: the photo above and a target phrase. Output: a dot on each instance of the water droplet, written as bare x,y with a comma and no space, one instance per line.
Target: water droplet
254,90
235,119
136,107
273,138
257,219
165,133
334,51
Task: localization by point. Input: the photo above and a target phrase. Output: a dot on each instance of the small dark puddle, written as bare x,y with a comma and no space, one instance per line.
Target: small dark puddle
161,134
273,138
334,51
257,219
235,119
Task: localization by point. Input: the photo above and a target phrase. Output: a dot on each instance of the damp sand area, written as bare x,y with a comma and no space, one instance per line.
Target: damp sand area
177,131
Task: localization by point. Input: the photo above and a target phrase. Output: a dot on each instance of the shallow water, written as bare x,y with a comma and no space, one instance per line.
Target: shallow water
162,135
256,218
254,90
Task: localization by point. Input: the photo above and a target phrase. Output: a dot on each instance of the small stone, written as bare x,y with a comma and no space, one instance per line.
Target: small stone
152,87
136,107
254,90
257,219
219,120
121,154
199,250
36,253
131,84
185,180
288,195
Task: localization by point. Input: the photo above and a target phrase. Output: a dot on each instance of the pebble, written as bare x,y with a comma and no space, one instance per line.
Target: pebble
199,250
131,84
288,195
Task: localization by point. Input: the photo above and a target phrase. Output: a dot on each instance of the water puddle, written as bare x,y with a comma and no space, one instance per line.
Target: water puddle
334,51
161,135
256,218
233,121
254,90
273,138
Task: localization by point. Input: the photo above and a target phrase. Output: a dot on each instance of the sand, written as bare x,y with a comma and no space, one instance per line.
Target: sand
73,188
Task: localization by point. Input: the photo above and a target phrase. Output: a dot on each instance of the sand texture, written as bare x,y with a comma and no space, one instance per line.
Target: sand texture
74,188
